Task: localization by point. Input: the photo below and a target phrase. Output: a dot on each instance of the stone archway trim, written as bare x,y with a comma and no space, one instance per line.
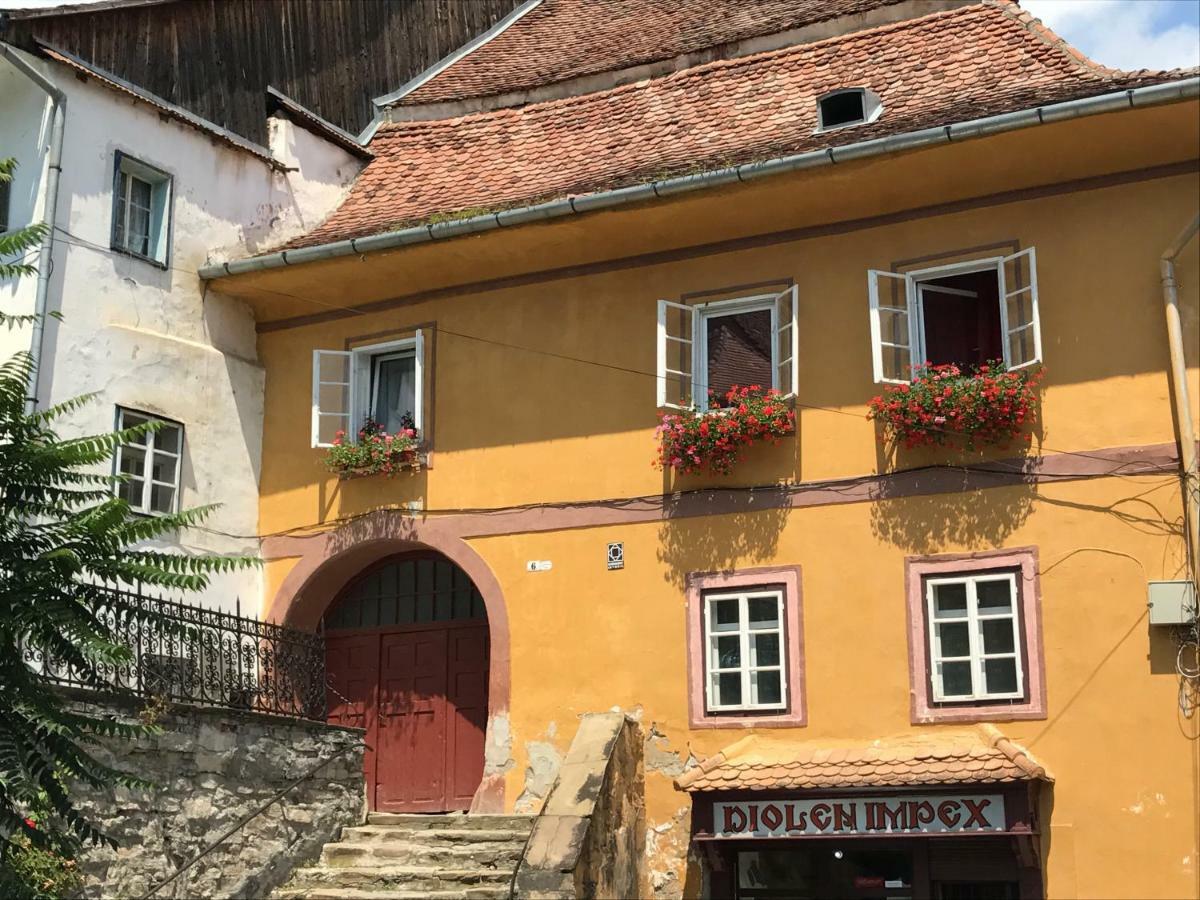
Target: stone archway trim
329,560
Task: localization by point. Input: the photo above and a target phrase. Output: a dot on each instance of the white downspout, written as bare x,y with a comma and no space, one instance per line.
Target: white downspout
1184,425
58,101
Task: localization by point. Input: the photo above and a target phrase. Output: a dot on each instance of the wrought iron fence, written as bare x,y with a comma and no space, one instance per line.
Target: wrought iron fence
191,654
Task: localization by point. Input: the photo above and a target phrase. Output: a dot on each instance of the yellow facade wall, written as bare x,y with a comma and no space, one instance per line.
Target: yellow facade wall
556,404
558,429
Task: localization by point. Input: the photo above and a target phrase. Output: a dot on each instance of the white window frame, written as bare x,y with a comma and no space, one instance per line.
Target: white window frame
974,619
126,170
915,283
360,363
149,449
783,329
744,632
871,103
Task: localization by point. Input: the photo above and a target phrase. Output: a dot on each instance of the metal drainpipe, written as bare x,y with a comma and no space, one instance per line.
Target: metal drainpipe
58,101
1184,425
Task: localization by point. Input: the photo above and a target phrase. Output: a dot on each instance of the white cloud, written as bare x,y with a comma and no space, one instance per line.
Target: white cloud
1127,34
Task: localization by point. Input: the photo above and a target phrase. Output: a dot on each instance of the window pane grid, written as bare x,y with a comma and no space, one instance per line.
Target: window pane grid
980,674
140,460
738,681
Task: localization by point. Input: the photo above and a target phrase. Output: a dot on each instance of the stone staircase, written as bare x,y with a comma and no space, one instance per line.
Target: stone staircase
404,857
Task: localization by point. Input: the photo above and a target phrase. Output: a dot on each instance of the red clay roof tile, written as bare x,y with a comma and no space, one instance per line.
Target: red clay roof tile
563,39
967,63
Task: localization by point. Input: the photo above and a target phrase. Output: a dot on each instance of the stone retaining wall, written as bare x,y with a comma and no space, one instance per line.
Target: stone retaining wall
588,840
210,768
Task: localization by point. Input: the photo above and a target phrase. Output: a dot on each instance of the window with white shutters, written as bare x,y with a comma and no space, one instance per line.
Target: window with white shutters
379,383
965,314
705,349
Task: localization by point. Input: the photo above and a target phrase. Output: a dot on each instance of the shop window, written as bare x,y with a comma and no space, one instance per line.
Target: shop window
745,648
141,210
381,383
975,637
706,348
151,464
966,314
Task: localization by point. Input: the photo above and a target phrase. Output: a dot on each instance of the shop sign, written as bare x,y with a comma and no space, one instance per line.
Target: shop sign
921,814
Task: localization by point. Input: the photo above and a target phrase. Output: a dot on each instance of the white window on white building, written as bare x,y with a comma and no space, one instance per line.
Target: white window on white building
151,464
975,643
967,314
381,384
744,651
704,349
141,210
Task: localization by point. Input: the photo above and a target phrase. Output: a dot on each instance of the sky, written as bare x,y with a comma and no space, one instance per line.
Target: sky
1124,34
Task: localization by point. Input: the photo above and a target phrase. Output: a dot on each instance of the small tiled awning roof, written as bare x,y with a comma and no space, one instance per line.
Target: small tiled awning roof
981,755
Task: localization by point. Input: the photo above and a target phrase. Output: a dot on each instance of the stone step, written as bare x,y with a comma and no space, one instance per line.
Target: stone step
321,892
400,877
459,821
433,836
475,855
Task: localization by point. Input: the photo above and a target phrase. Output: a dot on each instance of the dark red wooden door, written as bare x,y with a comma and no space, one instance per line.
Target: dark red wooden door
467,693
421,693
352,668
410,771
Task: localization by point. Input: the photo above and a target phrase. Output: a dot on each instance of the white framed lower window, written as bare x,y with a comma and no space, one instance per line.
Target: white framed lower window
975,638
377,383
744,643
151,464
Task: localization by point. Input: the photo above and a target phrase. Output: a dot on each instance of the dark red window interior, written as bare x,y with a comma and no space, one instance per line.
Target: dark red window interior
739,352
962,319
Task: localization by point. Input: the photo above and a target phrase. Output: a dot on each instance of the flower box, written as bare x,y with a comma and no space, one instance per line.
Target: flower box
376,452
692,441
987,405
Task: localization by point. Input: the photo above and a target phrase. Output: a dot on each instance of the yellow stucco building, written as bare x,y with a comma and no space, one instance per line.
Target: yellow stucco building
860,670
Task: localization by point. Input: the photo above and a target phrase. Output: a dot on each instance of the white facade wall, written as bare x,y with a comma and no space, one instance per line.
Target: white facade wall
146,337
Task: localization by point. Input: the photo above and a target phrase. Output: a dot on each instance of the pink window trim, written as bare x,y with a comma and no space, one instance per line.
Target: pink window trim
796,715
916,569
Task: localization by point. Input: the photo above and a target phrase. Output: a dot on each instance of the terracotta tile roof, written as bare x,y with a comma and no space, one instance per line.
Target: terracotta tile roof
563,39
981,755
947,67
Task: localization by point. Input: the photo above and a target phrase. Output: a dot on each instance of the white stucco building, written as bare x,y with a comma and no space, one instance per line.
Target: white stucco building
148,193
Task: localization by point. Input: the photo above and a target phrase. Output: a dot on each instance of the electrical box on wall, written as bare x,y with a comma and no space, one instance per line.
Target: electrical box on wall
1172,602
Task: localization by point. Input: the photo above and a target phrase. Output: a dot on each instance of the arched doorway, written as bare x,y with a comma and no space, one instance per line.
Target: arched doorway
407,654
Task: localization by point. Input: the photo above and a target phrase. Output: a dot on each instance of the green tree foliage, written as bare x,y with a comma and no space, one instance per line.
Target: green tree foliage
63,535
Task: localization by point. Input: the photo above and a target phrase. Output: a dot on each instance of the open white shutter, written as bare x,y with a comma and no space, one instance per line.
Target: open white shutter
891,326
676,354
332,390
1019,310
787,342
419,385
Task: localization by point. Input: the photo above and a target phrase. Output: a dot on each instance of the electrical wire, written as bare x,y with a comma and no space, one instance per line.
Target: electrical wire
649,502
1116,472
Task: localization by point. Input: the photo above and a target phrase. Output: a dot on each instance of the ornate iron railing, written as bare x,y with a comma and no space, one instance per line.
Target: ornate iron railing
191,654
